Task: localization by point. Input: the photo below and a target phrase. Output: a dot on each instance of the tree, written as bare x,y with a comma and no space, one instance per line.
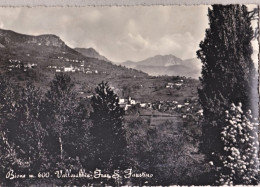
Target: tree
107,130
228,73
163,152
64,117
8,102
254,16
21,134
25,129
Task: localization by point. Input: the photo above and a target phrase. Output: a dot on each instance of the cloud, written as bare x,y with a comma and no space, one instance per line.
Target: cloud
166,43
135,42
182,45
1,25
119,33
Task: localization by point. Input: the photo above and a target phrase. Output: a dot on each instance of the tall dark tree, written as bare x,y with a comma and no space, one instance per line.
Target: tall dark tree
107,130
228,73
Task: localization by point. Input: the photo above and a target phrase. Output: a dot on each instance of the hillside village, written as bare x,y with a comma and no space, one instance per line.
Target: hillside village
175,84
82,68
18,64
73,69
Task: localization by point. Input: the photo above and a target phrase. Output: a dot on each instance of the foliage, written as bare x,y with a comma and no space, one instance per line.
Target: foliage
65,118
50,131
22,135
228,73
8,99
226,57
240,158
26,123
107,130
31,123
163,152
192,128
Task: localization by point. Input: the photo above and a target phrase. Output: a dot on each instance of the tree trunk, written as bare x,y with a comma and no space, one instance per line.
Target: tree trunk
61,149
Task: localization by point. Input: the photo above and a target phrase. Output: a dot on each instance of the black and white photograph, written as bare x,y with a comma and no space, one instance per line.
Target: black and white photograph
129,95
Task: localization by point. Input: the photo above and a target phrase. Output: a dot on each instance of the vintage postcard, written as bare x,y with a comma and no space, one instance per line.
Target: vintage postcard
129,95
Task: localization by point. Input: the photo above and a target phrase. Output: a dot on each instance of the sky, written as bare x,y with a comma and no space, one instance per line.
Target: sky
118,33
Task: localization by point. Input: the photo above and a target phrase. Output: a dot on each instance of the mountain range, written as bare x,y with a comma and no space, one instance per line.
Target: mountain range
167,65
48,54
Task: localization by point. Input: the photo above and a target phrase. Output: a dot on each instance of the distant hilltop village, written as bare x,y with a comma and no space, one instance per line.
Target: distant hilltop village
72,68
175,84
18,64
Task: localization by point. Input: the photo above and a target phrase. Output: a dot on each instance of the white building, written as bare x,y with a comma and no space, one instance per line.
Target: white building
178,84
121,101
169,85
179,106
200,112
143,105
127,106
68,69
132,102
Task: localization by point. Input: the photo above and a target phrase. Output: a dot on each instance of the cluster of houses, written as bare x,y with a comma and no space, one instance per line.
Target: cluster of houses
82,68
17,64
174,84
189,107
70,60
130,102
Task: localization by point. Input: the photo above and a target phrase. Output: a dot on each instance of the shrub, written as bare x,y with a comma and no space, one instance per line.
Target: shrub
240,138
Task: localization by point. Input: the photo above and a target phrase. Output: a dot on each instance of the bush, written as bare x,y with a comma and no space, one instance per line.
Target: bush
240,138
163,152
